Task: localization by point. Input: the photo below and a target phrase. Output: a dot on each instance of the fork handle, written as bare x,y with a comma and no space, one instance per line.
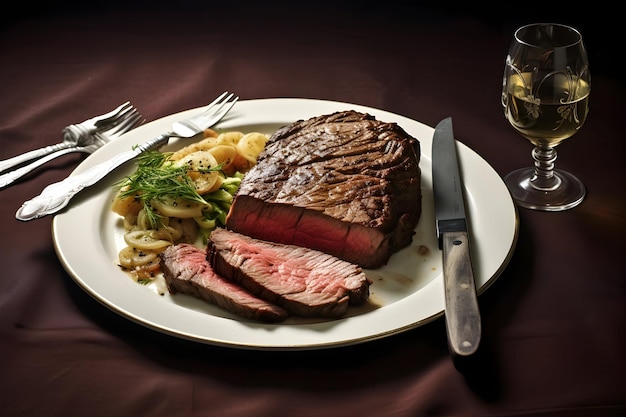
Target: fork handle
10,177
7,164
57,195
71,138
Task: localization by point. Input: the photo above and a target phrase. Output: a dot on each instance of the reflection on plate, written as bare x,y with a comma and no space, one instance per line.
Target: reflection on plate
406,293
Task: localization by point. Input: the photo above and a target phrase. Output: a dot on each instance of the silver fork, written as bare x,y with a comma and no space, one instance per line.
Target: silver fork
88,142
74,135
56,196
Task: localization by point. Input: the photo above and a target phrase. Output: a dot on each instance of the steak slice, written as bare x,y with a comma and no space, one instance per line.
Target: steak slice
305,282
344,183
187,271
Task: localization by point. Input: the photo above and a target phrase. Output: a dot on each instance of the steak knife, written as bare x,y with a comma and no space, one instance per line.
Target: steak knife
463,322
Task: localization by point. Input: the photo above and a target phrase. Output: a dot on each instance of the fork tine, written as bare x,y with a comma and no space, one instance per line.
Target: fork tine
120,121
220,102
124,126
112,115
118,118
217,100
131,123
207,118
222,110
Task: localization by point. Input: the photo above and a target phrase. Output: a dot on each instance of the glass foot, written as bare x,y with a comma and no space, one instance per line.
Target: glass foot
569,193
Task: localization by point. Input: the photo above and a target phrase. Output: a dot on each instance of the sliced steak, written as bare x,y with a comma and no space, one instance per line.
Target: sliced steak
305,282
344,183
187,271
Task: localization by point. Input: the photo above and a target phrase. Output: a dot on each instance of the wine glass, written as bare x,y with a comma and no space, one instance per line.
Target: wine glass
545,95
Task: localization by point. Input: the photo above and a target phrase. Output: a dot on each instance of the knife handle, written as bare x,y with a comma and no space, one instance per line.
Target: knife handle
462,314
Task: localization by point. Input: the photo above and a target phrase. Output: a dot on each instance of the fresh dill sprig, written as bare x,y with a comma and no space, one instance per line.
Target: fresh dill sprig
157,179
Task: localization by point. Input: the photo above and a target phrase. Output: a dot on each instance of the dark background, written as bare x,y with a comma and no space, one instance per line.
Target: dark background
598,23
554,322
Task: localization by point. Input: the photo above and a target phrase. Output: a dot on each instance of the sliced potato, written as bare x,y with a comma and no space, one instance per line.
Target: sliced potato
182,220
209,133
197,163
225,155
248,149
229,138
126,206
251,144
210,140
130,257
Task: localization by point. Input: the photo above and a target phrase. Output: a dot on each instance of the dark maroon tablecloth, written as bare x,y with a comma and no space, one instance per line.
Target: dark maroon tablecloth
553,323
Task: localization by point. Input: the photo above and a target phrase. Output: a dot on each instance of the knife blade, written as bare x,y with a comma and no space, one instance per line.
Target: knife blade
463,321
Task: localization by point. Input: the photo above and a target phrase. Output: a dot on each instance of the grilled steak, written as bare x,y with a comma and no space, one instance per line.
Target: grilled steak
187,271
305,282
344,183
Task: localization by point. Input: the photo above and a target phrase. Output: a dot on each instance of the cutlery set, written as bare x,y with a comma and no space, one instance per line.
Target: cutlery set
85,137
57,195
463,322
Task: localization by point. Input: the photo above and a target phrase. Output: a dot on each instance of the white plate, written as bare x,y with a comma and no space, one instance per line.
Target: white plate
406,293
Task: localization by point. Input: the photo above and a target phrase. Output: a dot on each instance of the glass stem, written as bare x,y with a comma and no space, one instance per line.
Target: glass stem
544,178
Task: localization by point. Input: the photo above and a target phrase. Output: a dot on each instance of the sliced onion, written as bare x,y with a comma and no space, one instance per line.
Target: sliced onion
188,228
145,240
178,208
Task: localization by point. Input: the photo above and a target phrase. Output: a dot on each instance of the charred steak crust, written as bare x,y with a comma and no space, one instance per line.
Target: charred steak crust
187,271
305,282
343,183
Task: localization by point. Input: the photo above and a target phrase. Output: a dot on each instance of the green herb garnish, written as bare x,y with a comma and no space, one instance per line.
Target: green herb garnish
156,178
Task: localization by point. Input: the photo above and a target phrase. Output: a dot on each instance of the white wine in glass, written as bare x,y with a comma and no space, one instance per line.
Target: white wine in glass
545,95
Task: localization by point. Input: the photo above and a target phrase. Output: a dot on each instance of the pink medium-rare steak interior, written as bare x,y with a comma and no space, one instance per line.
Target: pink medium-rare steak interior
303,281
187,271
345,184
311,229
